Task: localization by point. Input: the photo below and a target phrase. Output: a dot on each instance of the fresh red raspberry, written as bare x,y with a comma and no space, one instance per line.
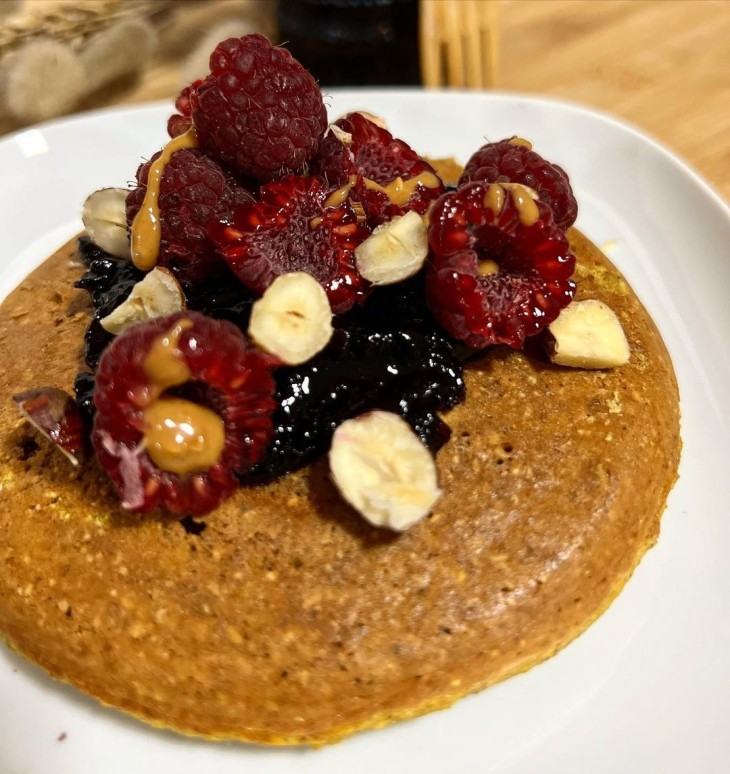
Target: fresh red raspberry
505,161
194,192
180,122
177,124
290,229
226,375
379,157
259,111
531,283
57,416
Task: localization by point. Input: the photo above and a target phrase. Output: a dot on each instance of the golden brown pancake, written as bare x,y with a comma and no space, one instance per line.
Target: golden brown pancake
289,619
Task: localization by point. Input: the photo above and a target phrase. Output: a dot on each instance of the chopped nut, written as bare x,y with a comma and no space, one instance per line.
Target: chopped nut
159,293
587,334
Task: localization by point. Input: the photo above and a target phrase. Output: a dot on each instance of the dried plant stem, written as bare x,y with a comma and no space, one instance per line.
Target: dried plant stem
74,23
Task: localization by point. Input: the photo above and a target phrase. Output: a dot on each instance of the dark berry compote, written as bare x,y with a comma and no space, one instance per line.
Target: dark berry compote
388,354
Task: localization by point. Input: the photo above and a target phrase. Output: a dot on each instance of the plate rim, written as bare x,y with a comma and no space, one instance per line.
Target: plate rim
439,94
617,123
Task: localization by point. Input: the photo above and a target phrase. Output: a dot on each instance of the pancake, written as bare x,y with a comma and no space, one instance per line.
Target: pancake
288,619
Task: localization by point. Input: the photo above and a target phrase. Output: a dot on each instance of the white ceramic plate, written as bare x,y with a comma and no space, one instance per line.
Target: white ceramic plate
646,688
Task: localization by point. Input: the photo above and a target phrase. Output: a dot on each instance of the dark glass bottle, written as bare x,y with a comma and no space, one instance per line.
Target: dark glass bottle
353,42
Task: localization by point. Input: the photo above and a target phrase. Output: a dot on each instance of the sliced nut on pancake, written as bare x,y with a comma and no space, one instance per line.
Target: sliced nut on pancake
587,334
105,219
383,470
293,319
159,293
394,251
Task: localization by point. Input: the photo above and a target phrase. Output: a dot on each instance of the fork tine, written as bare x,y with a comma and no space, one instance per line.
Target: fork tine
429,43
472,42
489,28
454,44
458,42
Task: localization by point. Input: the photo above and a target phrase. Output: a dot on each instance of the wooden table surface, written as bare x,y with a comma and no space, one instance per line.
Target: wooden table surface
663,65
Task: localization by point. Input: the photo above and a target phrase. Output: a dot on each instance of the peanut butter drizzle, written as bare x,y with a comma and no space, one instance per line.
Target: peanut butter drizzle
524,200
399,191
522,142
522,197
488,266
165,364
337,197
146,224
494,198
180,436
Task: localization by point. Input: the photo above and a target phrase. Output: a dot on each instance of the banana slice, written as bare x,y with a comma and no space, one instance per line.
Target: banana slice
105,219
293,319
587,334
394,251
383,470
157,294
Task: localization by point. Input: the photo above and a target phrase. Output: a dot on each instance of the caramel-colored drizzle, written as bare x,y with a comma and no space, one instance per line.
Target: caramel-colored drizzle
336,198
494,198
524,201
180,436
488,266
165,365
146,224
399,191
522,197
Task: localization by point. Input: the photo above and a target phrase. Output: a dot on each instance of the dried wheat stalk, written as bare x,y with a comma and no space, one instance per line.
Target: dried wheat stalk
74,23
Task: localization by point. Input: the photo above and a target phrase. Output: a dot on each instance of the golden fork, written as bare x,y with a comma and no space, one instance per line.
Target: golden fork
458,42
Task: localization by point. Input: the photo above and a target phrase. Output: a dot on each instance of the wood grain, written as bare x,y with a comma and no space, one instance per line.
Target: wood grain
663,65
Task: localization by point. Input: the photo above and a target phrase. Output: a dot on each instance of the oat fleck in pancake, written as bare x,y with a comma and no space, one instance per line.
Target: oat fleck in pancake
288,619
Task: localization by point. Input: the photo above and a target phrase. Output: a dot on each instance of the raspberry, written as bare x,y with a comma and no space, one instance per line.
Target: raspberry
530,282
58,417
194,192
259,111
379,157
226,375
180,122
505,161
177,124
290,229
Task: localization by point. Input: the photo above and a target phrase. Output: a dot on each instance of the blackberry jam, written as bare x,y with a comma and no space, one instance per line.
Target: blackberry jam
408,371
388,354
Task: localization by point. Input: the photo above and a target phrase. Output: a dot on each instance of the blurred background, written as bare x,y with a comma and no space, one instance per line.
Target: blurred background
663,65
